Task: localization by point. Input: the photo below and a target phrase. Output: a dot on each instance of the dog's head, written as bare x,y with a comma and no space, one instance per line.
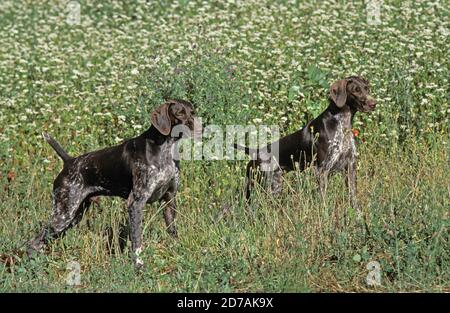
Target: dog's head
177,118
354,92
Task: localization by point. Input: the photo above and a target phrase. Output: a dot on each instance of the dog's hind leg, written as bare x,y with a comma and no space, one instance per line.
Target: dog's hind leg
68,208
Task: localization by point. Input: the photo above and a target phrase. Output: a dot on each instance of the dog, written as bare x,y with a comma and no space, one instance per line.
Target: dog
141,170
327,142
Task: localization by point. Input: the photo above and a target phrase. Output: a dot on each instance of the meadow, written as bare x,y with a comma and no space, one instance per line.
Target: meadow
92,82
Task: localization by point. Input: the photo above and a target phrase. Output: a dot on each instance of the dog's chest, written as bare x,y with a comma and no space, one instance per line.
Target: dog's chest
341,148
161,173
160,180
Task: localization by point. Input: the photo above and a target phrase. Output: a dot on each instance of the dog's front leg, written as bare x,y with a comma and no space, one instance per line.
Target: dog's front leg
322,180
136,203
275,182
351,183
171,209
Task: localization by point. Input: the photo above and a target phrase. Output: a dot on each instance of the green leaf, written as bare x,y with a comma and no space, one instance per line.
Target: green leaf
293,92
357,258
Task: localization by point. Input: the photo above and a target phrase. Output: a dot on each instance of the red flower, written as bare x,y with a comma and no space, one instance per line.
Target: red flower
10,176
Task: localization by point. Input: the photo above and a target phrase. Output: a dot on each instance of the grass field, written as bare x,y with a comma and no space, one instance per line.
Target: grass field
93,83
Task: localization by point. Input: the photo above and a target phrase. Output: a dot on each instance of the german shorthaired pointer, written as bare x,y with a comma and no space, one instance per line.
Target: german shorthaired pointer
141,170
326,141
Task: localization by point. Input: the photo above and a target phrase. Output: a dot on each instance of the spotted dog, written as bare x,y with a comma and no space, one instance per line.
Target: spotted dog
327,142
141,170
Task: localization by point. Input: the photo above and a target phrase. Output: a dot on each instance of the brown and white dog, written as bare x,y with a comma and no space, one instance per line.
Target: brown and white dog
141,170
327,142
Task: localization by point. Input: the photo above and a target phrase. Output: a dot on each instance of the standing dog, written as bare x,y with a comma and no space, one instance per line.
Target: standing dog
141,170
326,141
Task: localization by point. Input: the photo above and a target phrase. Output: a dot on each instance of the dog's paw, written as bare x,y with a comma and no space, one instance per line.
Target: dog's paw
173,232
137,260
139,265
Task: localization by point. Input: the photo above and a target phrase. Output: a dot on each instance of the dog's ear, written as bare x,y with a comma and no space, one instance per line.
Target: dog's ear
180,112
161,119
338,92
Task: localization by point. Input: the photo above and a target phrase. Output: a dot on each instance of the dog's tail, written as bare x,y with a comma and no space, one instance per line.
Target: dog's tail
57,147
247,150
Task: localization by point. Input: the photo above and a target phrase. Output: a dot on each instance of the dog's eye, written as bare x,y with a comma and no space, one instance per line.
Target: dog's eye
357,89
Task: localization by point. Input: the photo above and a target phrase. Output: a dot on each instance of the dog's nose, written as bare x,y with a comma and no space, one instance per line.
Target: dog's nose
371,102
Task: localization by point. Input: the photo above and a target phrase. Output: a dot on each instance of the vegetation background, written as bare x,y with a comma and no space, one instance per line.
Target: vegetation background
93,83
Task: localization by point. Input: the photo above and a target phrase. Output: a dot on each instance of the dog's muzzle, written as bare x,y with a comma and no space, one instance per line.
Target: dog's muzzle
371,103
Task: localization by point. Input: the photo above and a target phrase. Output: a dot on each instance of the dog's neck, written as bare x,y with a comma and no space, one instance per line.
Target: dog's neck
155,136
344,114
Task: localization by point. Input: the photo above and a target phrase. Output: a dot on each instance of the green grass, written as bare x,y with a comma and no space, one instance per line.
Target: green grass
255,62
